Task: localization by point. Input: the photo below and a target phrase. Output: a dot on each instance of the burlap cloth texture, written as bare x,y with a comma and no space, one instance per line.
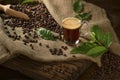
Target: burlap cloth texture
10,48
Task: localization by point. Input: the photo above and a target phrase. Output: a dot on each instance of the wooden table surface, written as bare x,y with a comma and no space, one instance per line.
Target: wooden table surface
113,10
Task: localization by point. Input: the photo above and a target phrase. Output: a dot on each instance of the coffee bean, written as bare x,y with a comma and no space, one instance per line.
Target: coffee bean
25,43
5,28
9,35
13,28
31,46
60,52
26,37
64,47
29,34
74,56
19,37
51,50
15,33
25,40
55,49
65,55
47,46
7,32
40,17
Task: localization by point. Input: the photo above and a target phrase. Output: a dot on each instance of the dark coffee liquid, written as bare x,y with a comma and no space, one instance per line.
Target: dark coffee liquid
71,30
71,36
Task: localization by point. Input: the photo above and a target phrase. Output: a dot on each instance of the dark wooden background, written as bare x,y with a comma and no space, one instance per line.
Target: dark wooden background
112,8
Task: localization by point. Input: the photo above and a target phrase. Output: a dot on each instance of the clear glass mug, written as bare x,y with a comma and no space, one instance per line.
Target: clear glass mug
71,28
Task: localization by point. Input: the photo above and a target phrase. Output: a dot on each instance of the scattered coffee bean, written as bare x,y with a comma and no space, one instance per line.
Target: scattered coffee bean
5,28
47,46
15,33
18,37
36,41
74,56
33,41
13,28
26,37
55,50
9,35
29,34
25,43
40,44
7,32
31,46
12,36
64,47
51,50
25,40
65,55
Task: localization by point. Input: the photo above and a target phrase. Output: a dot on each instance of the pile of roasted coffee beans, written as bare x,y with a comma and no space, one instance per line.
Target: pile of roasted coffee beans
39,17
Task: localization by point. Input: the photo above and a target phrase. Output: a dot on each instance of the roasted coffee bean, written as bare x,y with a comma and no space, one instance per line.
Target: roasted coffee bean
36,41
5,28
53,53
47,46
26,37
64,47
33,41
12,36
7,32
15,33
55,49
65,55
13,28
9,35
51,50
24,32
29,34
25,40
39,17
18,37
74,56
25,43
60,51
31,46
40,44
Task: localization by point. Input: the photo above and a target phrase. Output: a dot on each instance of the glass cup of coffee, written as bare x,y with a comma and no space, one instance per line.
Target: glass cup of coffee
71,30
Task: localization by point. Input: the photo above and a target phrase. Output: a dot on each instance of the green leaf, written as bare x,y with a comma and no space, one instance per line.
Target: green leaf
77,6
96,51
107,40
83,48
92,37
46,34
99,44
98,32
27,1
84,16
104,39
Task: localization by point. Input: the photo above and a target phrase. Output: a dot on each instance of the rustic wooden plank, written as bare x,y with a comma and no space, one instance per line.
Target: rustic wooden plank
48,71
8,74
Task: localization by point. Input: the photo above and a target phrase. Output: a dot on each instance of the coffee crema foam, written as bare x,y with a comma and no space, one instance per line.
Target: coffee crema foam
71,23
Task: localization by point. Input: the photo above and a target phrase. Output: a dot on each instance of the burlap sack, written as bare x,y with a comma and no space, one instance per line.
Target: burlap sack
59,10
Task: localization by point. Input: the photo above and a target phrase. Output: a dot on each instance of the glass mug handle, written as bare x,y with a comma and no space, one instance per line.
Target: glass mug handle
83,34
